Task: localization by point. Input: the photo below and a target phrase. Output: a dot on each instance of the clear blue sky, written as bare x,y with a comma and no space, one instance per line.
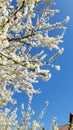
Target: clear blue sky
59,90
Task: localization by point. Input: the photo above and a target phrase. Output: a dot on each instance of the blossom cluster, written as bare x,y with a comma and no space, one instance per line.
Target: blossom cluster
24,28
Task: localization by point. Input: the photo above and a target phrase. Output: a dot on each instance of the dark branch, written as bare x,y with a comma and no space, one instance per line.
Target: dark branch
19,8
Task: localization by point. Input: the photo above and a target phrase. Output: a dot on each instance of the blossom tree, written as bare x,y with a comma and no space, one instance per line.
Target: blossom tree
24,27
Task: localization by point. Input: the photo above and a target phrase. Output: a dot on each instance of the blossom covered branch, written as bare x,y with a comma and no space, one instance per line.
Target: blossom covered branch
24,28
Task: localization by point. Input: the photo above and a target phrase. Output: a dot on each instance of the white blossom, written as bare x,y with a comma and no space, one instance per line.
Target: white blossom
23,30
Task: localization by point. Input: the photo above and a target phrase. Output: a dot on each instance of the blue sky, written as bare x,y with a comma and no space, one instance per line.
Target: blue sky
59,90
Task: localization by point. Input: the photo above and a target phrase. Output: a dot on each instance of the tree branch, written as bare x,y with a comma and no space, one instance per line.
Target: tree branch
13,14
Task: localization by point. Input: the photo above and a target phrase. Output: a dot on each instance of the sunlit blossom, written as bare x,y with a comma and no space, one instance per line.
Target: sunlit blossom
24,29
